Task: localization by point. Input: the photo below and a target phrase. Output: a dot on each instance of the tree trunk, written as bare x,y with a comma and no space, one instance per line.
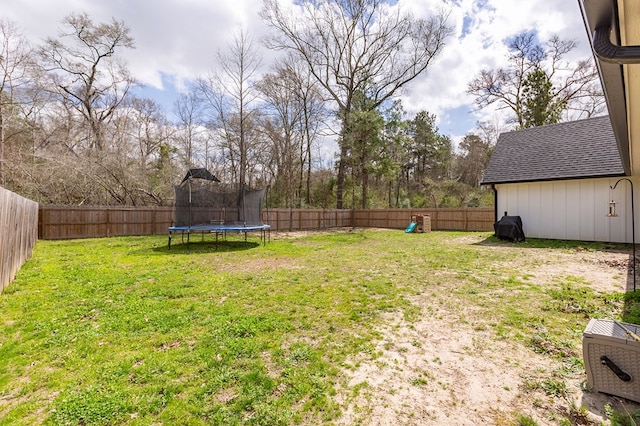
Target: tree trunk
342,170
365,184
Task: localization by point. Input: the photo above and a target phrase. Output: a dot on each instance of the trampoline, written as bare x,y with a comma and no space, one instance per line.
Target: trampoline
203,205
219,230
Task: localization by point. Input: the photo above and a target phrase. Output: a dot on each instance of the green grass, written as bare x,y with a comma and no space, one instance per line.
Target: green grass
123,331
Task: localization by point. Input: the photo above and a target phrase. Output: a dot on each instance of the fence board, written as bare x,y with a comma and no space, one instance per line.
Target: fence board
306,219
467,219
62,222
66,222
19,230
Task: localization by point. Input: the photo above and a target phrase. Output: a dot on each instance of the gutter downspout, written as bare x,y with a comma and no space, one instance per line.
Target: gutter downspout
495,203
612,53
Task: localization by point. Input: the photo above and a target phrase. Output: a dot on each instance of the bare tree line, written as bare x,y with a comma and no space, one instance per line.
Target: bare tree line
72,132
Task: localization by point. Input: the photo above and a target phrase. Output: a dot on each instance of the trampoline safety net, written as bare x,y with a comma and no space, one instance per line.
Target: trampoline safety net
204,203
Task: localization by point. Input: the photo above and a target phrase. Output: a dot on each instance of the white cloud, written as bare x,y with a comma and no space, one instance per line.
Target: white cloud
480,30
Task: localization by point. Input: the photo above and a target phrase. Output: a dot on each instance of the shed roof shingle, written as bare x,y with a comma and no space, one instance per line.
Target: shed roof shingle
572,150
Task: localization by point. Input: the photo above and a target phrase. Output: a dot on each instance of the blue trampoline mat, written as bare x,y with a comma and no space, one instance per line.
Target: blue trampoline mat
218,228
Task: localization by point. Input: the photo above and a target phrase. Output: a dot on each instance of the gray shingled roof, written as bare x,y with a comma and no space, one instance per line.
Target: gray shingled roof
572,150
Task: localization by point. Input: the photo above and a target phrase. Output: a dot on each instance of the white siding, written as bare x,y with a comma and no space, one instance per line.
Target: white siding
572,209
558,214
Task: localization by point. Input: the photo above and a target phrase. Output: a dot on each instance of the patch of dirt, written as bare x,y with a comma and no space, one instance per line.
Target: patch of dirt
449,368
283,235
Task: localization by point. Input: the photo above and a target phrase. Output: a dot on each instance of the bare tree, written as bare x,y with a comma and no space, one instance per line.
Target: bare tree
576,86
18,91
152,136
189,110
283,119
86,73
293,114
356,46
231,95
314,114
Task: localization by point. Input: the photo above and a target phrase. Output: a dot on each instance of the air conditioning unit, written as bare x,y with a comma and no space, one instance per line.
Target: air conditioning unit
611,351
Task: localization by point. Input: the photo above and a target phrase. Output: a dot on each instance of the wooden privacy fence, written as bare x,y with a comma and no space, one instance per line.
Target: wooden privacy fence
306,219
464,219
19,233
65,222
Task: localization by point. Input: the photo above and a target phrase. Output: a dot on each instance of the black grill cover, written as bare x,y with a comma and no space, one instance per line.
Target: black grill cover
509,228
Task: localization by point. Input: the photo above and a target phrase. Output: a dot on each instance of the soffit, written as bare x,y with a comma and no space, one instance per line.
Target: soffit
629,21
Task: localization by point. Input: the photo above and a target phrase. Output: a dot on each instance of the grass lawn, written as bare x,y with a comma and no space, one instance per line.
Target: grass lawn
124,331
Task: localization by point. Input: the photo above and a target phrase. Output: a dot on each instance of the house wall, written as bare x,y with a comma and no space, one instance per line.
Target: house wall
572,209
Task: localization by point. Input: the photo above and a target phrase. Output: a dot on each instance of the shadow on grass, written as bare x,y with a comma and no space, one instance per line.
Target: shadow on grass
195,247
557,244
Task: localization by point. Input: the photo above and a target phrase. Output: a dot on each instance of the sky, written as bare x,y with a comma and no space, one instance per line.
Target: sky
179,40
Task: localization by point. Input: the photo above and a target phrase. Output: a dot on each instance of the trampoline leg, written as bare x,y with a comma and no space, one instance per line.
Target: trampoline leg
169,244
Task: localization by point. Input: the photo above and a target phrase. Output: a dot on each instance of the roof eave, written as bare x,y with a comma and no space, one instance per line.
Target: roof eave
554,179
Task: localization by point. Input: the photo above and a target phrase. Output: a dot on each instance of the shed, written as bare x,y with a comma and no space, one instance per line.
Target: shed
558,179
